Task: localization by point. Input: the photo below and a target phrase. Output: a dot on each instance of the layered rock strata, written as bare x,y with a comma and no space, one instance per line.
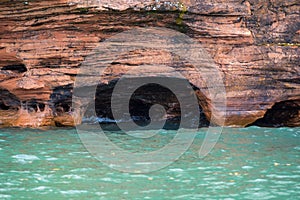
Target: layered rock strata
255,44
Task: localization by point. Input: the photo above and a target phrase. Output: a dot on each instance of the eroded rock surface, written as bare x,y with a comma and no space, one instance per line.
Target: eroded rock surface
255,45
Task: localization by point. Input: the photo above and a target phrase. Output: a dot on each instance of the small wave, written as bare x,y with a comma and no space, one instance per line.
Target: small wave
176,170
24,158
2,196
101,193
283,176
70,192
51,159
247,167
109,120
81,169
258,180
40,188
99,119
72,176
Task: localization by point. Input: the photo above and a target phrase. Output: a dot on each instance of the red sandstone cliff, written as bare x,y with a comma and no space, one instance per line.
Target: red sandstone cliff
254,43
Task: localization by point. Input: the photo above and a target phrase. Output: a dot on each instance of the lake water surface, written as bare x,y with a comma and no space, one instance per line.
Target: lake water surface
246,163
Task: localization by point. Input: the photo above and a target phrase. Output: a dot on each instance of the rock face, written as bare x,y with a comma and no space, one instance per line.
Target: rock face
255,44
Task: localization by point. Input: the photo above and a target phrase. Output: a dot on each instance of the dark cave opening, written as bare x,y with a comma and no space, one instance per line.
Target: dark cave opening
3,106
33,105
61,99
140,103
19,68
284,113
8,101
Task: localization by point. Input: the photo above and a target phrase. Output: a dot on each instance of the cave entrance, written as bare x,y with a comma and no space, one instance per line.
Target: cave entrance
140,103
8,101
285,113
18,68
61,99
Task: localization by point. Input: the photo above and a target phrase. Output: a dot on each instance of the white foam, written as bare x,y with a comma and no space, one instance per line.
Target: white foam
176,170
40,188
2,196
247,167
72,176
24,158
73,192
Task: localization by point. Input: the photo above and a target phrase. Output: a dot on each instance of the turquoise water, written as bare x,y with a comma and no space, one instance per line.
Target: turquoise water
248,163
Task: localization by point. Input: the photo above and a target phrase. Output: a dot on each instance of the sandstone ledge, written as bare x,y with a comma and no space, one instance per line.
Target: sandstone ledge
254,43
